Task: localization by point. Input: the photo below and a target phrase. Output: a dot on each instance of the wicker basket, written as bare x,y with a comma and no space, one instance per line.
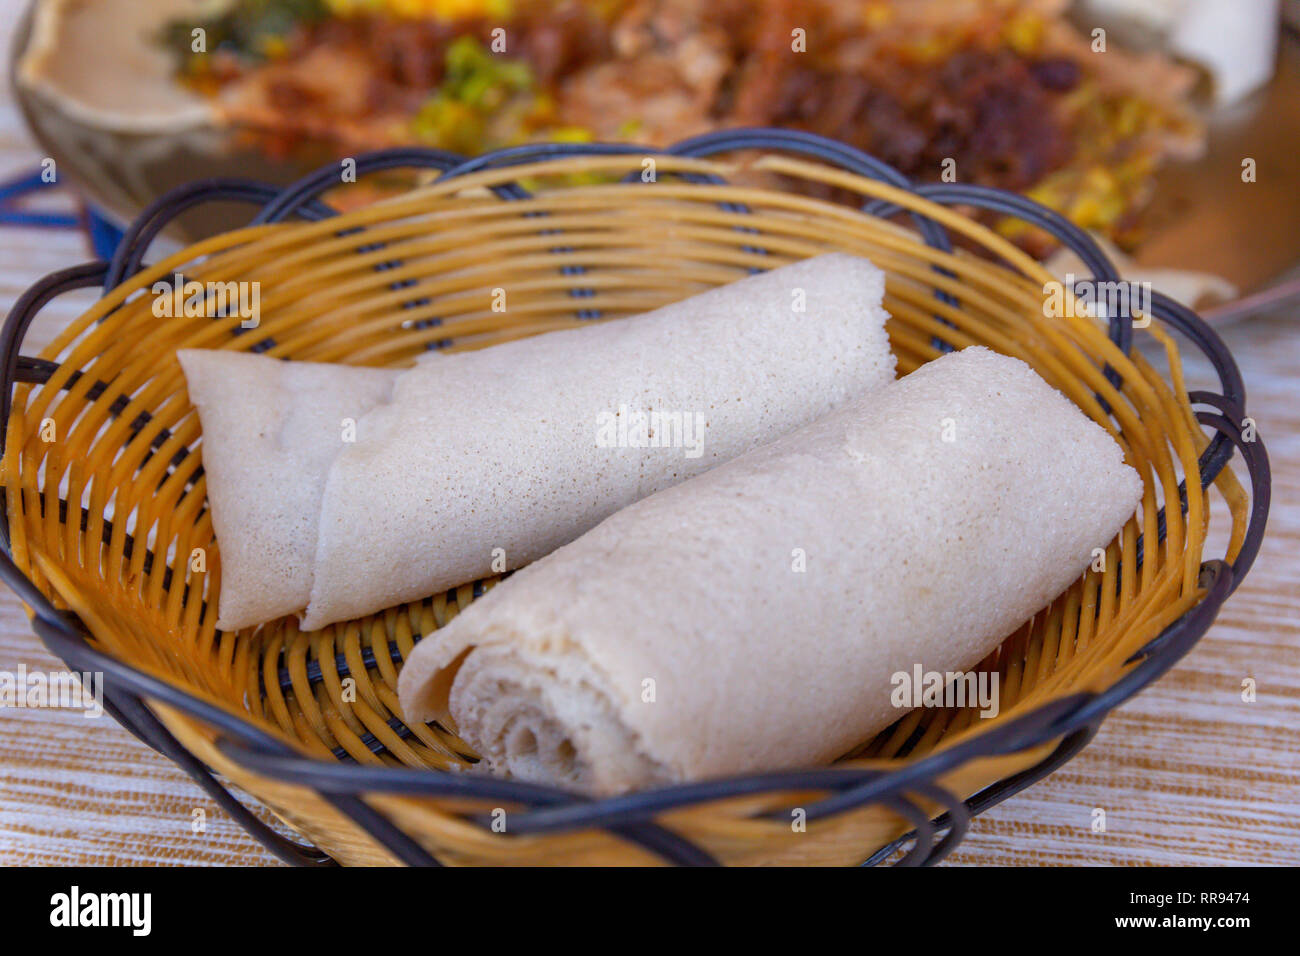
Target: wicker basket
102,523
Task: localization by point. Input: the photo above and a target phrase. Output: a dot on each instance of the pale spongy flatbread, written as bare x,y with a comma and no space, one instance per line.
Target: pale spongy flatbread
752,617
270,431
102,62
487,460
470,463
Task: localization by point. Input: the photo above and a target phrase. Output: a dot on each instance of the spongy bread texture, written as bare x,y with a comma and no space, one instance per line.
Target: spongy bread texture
496,454
678,640
270,431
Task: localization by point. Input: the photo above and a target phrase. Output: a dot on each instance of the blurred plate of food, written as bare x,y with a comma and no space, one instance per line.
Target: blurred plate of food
1137,133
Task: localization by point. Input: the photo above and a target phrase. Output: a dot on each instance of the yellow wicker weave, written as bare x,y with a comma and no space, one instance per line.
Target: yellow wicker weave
642,245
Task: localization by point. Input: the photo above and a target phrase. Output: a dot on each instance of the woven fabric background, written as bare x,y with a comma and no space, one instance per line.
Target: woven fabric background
1186,773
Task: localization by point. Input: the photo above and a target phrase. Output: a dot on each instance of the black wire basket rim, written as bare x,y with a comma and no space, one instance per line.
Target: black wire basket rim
1070,720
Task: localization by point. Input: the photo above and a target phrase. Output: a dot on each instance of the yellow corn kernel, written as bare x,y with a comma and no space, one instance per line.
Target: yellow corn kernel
425,9
1023,32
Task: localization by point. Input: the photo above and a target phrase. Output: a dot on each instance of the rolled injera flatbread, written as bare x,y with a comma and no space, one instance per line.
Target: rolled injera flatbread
270,431
475,462
504,454
680,640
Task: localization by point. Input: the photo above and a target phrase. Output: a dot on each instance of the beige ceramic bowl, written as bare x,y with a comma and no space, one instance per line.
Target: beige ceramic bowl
98,97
